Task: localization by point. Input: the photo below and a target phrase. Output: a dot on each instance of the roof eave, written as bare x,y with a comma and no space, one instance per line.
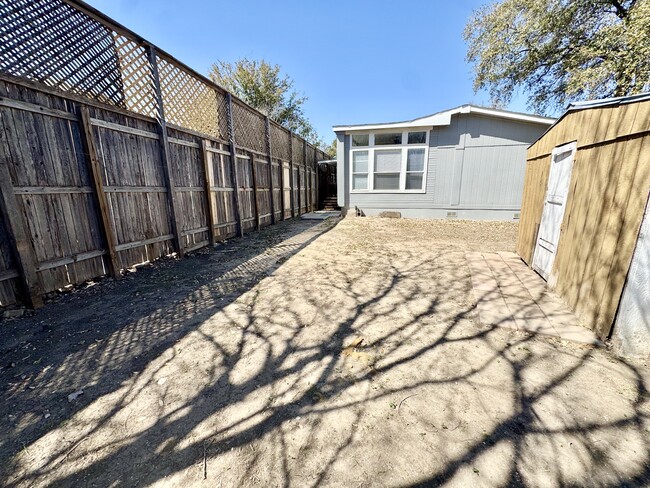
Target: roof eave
587,104
444,118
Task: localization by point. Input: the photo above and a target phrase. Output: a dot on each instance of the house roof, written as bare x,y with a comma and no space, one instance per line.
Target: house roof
444,118
606,102
603,102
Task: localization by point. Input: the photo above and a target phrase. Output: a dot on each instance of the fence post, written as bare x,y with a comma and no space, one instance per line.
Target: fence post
304,158
233,163
255,194
283,198
291,195
22,245
299,206
317,176
267,126
164,150
311,183
108,226
207,172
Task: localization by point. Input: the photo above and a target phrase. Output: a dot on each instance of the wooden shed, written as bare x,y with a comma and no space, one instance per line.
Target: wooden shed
585,192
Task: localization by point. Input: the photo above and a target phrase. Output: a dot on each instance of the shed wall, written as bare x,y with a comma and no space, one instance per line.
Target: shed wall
609,188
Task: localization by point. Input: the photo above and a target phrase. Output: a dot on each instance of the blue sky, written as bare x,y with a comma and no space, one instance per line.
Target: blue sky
356,61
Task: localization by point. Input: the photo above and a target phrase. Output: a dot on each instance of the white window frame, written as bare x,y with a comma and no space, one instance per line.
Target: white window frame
404,147
368,164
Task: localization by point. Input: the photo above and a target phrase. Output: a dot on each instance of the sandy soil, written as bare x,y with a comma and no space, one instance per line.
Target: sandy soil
312,354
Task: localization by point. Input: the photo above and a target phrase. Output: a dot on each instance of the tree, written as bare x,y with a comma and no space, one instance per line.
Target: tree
558,51
265,88
330,149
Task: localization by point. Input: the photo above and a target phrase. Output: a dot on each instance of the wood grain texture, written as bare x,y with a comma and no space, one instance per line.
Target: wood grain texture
14,232
92,189
96,170
609,188
165,154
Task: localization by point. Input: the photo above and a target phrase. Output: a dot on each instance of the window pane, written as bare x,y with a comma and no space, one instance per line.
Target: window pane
359,182
387,139
387,181
360,139
415,160
360,162
414,181
388,161
417,137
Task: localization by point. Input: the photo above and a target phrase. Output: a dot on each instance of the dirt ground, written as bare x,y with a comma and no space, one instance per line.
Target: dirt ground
344,353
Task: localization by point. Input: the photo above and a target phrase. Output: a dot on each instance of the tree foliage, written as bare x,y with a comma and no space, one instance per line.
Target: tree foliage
330,149
558,51
265,88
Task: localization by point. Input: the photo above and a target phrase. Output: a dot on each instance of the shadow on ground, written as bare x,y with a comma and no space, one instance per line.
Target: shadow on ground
303,357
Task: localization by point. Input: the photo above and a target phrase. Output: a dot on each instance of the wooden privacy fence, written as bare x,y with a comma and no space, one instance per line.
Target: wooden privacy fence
113,153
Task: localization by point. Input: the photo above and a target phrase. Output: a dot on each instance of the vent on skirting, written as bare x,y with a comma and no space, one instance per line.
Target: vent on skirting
516,216
452,215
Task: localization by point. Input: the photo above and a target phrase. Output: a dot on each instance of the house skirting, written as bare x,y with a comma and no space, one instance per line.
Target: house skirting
445,213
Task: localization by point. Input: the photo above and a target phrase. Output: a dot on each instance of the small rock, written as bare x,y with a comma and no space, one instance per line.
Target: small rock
13,314
73,396
162,381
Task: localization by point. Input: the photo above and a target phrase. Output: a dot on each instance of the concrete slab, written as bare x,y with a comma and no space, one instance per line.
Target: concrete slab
320,215
509,294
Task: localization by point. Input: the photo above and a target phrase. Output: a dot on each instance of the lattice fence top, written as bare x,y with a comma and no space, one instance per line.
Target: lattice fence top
137,76
191,103
60,45
298,155
280,142
53,43
311,155
250,130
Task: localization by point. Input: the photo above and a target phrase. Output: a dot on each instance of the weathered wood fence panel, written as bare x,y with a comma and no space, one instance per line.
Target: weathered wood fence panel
42,144
277,185
222,190
134,181
189,177
263,191
8,269
52,186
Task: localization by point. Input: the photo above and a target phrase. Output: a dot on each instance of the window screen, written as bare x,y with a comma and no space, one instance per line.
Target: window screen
360,139
388,139
417,137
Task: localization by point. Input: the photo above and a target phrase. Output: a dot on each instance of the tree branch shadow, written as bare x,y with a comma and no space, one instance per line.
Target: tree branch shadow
274,385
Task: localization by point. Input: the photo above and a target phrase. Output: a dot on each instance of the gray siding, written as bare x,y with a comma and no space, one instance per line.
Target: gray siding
476,168
493,177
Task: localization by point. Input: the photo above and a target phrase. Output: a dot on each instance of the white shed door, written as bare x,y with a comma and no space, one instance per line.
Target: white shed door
549,228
